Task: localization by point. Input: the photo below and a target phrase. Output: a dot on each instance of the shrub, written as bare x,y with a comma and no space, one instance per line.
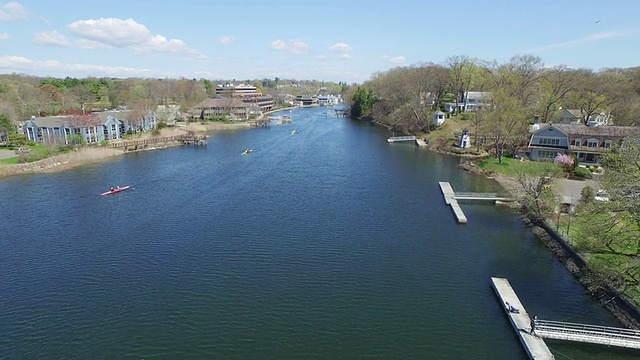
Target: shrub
582,173
587,194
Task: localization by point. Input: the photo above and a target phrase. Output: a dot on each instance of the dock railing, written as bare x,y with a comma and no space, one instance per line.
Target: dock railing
594,334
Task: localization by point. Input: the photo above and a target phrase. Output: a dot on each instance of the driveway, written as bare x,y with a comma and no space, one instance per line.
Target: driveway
5,154
570,189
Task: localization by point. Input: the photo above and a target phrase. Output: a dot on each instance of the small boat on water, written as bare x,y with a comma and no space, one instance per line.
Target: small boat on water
246,151
116,190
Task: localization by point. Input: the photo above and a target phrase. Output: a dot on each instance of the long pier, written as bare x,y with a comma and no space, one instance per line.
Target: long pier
449,199
142,144
535,347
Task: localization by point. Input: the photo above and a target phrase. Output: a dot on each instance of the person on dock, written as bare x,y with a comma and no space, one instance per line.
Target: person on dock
533,326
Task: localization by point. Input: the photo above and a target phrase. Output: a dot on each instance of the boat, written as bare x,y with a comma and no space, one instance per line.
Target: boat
247,151
116,190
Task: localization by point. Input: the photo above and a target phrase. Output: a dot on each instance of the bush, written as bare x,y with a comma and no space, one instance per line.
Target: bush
582,173
587,194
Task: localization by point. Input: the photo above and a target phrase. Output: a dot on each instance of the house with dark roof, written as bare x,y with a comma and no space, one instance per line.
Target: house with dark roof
219,106
589,143
60,129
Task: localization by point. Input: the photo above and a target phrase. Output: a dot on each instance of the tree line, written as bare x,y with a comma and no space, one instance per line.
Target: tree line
23,96
522,91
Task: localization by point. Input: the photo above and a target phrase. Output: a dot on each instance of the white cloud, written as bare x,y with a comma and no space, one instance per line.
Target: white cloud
295,47
298,47
5,36
90,44
129,34
342,47
50,38
345,56
159,43
585,40
13,11
279,45
19,64
397,60
226,40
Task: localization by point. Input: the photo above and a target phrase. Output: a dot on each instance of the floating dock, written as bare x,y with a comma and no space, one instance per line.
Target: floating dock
535,347
401,138
449,199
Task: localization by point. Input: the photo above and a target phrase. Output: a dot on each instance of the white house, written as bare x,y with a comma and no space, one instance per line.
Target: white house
438,118
575,116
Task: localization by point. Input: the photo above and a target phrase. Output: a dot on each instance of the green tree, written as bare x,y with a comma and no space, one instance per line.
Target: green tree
6,128
363,100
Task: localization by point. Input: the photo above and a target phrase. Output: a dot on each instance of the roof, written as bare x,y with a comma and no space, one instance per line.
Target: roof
50,121
104,115
78,121
579,130
221,103
574,112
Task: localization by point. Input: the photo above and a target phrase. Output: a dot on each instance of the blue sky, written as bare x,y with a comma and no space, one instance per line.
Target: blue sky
343,40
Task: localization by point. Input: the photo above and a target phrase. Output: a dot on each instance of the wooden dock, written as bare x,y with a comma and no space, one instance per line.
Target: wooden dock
449,199
535,347
133,145
401,138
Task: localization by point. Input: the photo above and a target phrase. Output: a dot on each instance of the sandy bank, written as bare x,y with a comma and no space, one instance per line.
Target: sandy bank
92,155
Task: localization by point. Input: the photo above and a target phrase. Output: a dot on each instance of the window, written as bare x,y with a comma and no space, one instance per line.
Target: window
547,155
548,141
578,142
592,143
607,144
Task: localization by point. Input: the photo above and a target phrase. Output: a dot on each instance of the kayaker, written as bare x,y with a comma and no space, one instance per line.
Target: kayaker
112,190
118,187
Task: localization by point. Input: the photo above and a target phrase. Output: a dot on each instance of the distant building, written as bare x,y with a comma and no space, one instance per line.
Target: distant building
218,106
575,116
328,100
305,100
246,93
477,100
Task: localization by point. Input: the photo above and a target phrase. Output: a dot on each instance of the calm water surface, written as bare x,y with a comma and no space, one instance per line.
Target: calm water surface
330,243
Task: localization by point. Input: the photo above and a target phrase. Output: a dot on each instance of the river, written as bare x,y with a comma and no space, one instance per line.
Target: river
324,243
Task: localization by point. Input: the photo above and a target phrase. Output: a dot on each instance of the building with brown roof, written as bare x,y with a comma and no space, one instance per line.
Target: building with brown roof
589,143
218,106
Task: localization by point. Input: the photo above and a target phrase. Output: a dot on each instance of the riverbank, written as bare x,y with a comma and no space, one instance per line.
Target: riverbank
93,155
601,290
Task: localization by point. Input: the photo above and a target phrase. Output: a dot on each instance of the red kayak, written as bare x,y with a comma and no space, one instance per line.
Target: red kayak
115,191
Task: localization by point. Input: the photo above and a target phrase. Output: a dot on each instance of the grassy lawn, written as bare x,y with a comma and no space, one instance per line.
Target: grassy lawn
624,263
511,166
9,161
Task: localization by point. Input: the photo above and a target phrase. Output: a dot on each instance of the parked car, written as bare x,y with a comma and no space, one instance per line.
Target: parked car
601,195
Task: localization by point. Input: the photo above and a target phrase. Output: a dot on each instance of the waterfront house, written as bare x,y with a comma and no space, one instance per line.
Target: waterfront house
133,120
91,128
233,108
589,143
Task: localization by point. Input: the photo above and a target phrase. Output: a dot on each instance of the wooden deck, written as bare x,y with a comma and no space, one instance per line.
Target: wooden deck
535,347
